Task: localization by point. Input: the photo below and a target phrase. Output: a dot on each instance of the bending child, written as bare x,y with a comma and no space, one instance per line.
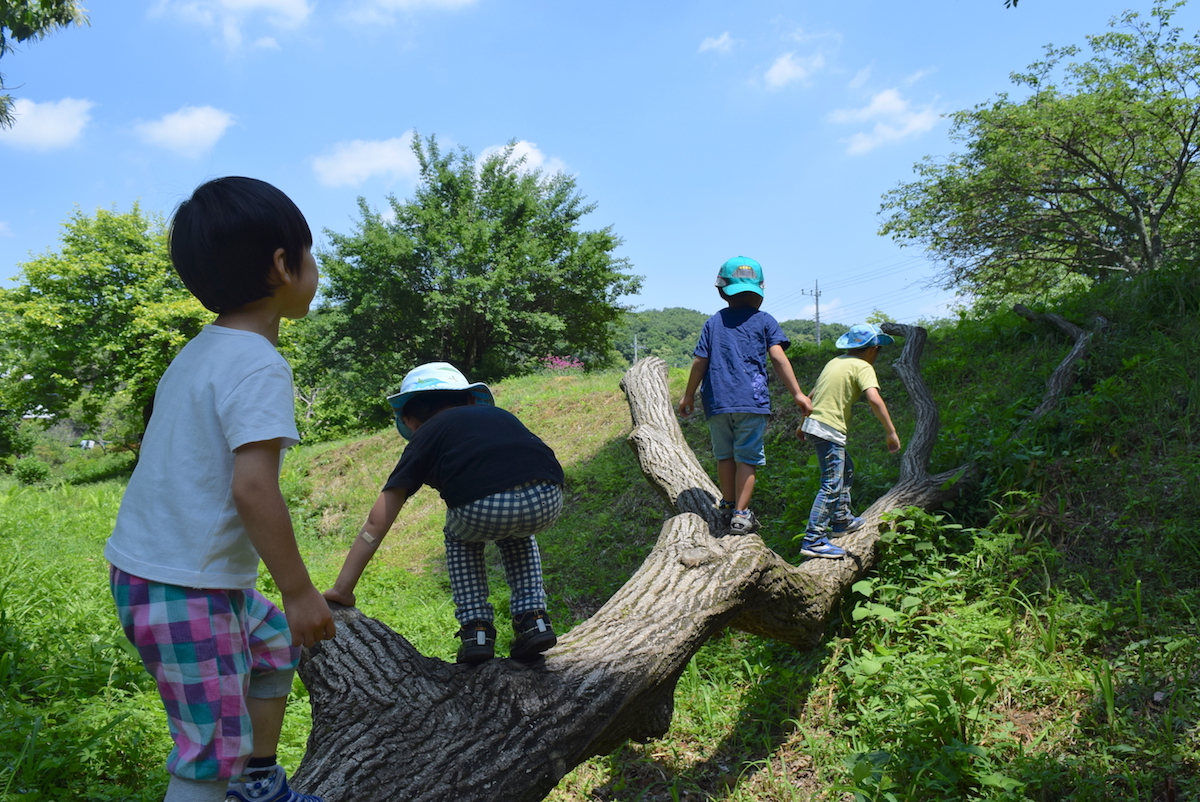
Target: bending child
204,504
842,381
501,484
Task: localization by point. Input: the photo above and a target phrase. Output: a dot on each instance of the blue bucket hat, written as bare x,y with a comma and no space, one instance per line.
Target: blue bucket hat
863,335
741,274
434,376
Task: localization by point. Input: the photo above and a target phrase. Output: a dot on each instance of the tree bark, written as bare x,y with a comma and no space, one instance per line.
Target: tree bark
389,723
1060,381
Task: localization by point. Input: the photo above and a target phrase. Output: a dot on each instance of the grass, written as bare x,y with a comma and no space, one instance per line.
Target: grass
1036,640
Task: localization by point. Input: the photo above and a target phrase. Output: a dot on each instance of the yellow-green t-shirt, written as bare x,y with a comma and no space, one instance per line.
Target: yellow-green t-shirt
840,384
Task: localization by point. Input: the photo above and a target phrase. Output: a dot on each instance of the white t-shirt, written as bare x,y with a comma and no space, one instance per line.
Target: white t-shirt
177,523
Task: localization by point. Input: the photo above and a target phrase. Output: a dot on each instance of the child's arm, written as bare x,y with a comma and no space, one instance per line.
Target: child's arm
688,402
379,521
881,412
783,369
264,513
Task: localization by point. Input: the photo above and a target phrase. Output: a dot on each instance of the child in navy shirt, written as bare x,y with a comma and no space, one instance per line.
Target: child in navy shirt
730,369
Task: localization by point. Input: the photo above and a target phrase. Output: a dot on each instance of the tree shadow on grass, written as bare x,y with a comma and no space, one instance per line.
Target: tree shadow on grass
755,743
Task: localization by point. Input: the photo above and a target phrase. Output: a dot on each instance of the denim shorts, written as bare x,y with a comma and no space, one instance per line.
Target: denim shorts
739,436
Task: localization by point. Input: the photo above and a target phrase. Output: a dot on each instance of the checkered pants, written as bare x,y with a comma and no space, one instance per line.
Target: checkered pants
510,518
207,651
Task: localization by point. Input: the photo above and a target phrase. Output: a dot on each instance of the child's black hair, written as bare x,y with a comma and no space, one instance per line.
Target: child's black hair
745,299
424,405
223,240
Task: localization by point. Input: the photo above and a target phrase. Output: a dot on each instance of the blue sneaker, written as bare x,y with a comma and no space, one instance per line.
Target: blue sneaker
846,527
267,786
820,547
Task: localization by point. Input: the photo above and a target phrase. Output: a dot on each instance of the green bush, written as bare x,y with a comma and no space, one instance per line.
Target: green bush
31,471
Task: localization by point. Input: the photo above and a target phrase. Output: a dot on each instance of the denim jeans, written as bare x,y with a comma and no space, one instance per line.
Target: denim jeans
832,504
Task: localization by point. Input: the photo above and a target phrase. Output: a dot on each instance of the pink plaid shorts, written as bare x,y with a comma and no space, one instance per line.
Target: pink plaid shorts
208,650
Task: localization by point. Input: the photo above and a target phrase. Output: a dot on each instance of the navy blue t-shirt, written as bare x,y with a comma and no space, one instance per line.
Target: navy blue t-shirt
735,342
469,453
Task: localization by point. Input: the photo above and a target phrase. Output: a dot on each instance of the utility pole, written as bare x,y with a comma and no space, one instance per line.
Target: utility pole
635,348
816,294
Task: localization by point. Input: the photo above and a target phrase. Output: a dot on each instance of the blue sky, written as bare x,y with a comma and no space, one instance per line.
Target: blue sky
701,130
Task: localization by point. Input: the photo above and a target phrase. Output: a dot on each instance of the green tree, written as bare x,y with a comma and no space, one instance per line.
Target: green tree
805,331
23,20
96,322
669,334
486,267
1087,178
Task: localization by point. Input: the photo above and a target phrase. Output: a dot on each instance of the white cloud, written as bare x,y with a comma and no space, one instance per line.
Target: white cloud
353,162
789,68
721,44
5,229
383,12
918,75
189,132
861,78
824,39
894,118
534,158
229,18
51,125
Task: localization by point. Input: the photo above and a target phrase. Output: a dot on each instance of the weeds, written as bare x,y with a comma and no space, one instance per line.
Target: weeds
1037,640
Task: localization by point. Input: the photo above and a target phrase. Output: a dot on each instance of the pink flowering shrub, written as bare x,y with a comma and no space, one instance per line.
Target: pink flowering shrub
560,364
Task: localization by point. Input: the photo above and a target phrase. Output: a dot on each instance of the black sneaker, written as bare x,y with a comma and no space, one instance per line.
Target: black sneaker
534,636
478,642
743,523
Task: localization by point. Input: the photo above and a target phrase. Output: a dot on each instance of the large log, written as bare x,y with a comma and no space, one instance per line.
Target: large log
390,723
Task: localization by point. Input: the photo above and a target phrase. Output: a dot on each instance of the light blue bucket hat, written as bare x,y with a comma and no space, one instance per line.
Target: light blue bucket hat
863,335
434,376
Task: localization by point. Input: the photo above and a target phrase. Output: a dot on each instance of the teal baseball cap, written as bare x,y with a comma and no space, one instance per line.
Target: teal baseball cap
434,376
741,274
863,335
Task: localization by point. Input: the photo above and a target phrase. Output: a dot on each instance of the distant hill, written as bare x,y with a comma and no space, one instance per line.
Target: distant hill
671,334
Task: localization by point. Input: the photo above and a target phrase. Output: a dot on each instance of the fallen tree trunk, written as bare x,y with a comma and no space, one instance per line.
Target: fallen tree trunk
389,723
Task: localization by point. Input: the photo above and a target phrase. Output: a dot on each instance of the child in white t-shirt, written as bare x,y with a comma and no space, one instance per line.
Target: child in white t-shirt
204,504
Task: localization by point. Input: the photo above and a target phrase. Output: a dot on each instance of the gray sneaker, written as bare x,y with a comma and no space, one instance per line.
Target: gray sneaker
743,523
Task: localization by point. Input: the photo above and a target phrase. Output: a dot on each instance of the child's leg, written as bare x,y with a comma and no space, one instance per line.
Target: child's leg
842,513
748,453
523,570
720,431
272,668
192,642
181,790
831,457
468,580
727,480
511,518
743,485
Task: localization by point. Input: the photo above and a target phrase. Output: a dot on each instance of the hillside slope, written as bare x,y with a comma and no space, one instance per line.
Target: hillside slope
1036,641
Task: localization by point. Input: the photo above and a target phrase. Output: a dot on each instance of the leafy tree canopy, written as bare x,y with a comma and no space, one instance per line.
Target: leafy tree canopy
22,20
486,267
98,320
1091,175
669,334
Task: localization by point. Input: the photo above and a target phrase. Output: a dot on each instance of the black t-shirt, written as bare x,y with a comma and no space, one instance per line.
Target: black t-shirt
468,453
